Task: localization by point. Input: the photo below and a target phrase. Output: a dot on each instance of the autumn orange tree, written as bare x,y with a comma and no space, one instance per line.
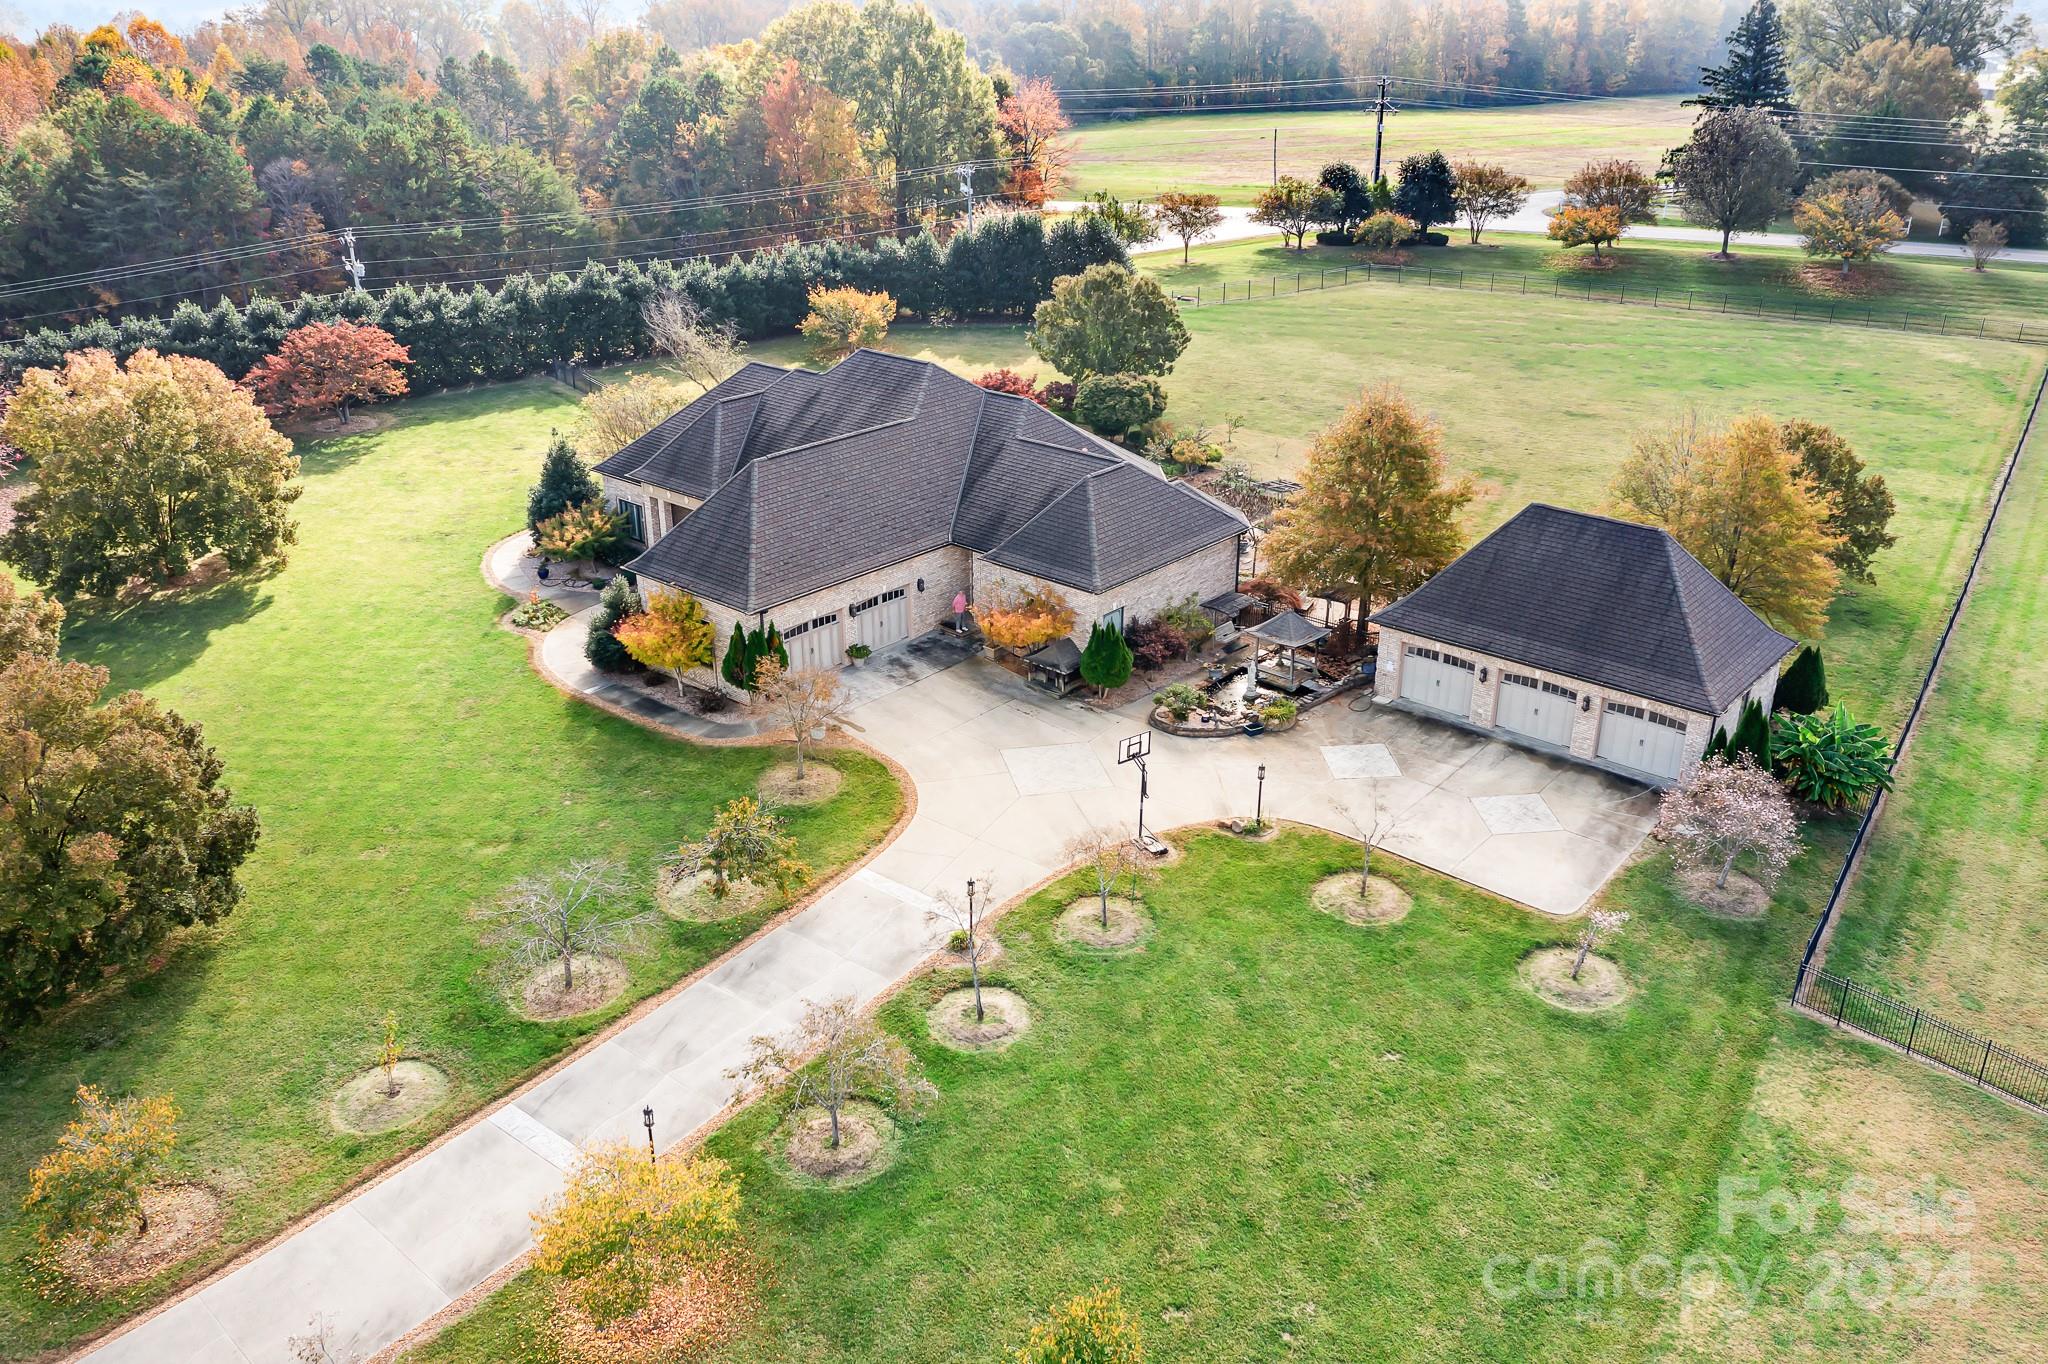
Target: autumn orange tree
844,319
1021,619
1573,226
105,1160
1739,500
329,366
798,133
1377,514
1034,126
673,633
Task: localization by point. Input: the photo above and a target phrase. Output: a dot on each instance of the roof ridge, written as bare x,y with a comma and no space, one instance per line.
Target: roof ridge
1079,485
966,469
1682,603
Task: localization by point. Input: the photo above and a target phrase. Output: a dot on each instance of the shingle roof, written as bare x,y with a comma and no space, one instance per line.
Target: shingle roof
1607,601
1289,630
809,479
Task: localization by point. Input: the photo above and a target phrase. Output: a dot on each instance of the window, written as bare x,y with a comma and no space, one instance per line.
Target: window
815,623
894,594
1420,651
1524,680
635,527
1114,619
1643,713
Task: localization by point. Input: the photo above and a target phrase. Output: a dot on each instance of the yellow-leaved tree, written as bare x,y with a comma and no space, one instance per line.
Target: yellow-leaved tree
844,319
1377,513
672,634
1738,499
93,1183
1021,619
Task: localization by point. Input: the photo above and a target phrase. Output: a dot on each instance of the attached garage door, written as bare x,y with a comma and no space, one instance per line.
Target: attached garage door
815,644
882,620
1642,739
1433,678
1535,709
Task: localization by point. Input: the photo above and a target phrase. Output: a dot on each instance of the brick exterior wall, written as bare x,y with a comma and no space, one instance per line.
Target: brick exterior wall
643,496
1201,575
1699,728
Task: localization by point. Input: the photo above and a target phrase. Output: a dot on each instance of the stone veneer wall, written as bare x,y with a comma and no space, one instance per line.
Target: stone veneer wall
1585,742
1201,575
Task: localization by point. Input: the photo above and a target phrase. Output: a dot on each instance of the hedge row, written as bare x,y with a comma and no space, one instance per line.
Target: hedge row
1000,269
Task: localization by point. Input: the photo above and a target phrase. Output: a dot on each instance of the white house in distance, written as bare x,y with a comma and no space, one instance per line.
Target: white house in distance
852,506
1582,635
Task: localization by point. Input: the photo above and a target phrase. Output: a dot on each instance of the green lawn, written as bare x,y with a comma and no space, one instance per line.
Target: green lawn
408,764
1672,273
1948,910
1232,154
1283,1136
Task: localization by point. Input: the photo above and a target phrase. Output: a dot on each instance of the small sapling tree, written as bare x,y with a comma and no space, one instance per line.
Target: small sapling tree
745,843
551,918
835,1053
808,700
1600,925
964,914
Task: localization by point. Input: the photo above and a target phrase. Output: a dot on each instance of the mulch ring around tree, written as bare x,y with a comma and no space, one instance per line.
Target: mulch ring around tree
595,982
1382,902
1080,923
688,897
1548,971
360,423
779,785
991,951
366,1105
1242,828
1743,898
867,1145
183,1219
1862,281
1006,1017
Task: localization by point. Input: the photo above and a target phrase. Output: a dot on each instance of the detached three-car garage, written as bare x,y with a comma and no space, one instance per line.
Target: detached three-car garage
1595,638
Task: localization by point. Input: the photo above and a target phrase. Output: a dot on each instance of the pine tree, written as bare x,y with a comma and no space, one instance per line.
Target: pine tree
1803,689
1106,662
1717,747
565,482
1752,736
738,668
601,646
772,647
1754,73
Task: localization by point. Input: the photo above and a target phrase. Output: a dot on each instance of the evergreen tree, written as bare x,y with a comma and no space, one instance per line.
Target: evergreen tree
1717,747
1803,689
772,647
738,668
1752,736
1106,662
1424,193
601,646
565,482
1754,73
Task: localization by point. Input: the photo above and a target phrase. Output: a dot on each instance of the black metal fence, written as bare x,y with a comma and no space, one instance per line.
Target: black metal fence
1756,305
574,375
1846,1004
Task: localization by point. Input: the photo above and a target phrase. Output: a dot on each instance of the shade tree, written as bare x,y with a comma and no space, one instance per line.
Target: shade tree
1736,172
1851,225
1860,506
329,367
92,1183
29,623
683,332
1619,184
613,416
1573,225
843,320
622,1225
1296,206
1108,320
1483,191
1189,215
1427,190
547,920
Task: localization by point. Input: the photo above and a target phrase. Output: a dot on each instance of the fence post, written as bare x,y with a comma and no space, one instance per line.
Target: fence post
1841,1000
1688,300
1985,1062
1912,1032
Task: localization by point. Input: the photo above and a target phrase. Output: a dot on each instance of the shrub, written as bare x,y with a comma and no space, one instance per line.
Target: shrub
1011,382
92,1183
1188,617
1384,231
1023,619
1180,700
1804,687
1279,711
1155,643
1106,662
1830,760
580,534
1089,1328
1114,405
535,614
843,320
1752,736
1059,395
1273,593
601,646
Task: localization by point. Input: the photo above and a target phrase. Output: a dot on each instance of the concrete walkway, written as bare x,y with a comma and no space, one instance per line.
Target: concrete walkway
1005,776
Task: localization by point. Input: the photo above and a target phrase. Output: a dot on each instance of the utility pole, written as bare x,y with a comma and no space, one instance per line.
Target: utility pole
1276,156
1381,107
967,184
351,263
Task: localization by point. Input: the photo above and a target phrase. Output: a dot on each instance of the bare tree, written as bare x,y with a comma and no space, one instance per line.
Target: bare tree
1601,925
965,914
1724,810
1986,241
1371,832
1108,855
702,351
835,1052
808,700
550,918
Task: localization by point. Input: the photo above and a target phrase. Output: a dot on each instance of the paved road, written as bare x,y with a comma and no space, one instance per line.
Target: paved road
1005,776
1534,218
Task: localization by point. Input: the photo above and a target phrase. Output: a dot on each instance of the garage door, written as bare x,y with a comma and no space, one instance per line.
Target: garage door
1536,709
1433,678
815,644
1642,739
882,620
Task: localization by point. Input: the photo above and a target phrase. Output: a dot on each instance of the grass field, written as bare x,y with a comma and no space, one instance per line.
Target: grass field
1948,910
1232,154
1284,1137
1926,288
407,764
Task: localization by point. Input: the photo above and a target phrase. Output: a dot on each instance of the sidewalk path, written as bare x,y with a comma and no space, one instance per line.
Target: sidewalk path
1004,776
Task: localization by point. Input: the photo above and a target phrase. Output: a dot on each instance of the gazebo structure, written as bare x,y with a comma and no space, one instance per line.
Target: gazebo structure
1056,666
1292,632
1228,606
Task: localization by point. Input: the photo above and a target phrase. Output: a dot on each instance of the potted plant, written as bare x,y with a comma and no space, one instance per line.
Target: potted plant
855,653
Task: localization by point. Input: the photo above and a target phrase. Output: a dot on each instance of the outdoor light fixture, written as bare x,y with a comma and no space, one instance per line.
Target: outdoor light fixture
647,1121
1259,810
920,584
1586,704
1482,674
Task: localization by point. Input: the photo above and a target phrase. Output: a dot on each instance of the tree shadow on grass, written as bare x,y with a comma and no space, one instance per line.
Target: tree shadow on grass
144,642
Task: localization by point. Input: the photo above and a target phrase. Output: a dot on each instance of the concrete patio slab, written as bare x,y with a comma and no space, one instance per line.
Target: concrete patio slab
1515,814
1055,767
1351,762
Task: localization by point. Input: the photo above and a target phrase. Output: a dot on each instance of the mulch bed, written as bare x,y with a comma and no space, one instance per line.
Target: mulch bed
363,1105
597,982
690,899
183,1219
1386,903
821,782
1081,923
1742,898
1600,984
866,1145
953,1024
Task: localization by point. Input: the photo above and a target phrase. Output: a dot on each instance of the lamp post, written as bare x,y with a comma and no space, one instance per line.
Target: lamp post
1259,810
647,1121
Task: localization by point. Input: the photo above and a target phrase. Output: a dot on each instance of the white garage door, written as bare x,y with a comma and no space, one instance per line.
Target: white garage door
882,620
1535,709
1433,678
1642,739
815,644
